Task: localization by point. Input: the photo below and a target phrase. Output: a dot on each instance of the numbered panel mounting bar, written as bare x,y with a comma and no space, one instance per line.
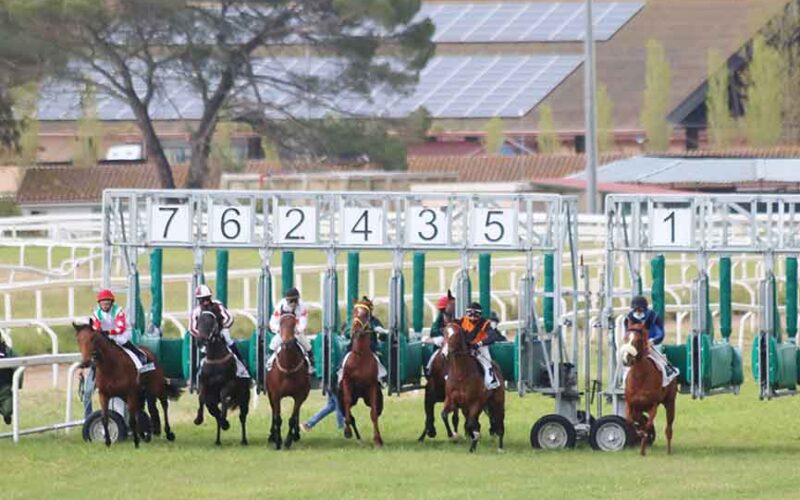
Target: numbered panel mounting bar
335,220
697,223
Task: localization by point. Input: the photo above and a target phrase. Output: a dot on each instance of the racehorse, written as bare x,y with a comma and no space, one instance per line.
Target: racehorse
643,388
360,376
117,377
465,390
288,377
219,387
435,385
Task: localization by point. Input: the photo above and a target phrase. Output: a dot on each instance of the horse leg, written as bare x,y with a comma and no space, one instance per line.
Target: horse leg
213,408
294,424
104,414
651,417
275,429
346,405
200,402
165,408
455,423
448,408
244,409
498,413
133,410
669,404
155,419
430,429
377,440
472,430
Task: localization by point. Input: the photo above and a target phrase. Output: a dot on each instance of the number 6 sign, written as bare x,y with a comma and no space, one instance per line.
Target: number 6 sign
230,224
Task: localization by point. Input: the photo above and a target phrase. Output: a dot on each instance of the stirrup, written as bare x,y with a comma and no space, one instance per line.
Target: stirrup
147,367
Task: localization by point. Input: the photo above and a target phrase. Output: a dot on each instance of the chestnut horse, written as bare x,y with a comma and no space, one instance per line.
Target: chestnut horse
643,388
116,377
435,384
465,389
288,377
360,376
219,389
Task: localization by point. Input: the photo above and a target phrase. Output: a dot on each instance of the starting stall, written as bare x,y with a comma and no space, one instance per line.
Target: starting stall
542,228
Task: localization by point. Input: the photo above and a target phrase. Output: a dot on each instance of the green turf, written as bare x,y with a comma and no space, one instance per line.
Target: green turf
731,446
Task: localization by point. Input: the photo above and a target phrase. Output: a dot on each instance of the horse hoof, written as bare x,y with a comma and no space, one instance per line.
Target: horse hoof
198,421
244,442
348,434
455,438
225,425
170,436
501,450
432,433
378,443
146,438
218,443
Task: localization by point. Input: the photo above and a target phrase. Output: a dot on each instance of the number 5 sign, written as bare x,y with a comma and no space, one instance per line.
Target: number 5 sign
493,226
230,224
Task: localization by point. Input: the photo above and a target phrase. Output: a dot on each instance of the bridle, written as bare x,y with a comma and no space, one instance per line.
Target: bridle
358,321
285,345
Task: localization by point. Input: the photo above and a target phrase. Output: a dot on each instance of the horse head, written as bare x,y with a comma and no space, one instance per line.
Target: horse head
87,338
636,338
208,327
450,310
456,340
362,314
288,321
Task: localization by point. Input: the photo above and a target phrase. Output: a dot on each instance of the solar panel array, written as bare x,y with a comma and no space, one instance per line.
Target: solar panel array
449,87
524,22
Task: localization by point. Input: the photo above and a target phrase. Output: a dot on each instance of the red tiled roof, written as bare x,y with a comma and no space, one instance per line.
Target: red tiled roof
67,184
506,168
269,167
773,152
445,148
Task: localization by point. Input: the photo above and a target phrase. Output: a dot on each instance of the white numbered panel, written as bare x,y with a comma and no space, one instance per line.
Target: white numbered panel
362,226
170,224
427,226
493,226
671,227
295,225
230,224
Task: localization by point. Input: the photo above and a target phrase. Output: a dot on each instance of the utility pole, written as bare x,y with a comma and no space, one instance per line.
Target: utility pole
589,112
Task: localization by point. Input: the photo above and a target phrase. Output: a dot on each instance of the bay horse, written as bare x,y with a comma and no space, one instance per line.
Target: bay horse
288,377
117,377
219,389
360,375
465,390
643,388
435,385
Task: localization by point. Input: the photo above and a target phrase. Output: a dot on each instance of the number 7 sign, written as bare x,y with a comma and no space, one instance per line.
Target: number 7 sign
170,224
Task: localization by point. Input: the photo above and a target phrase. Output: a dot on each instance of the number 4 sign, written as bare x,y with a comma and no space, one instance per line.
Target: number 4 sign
672,227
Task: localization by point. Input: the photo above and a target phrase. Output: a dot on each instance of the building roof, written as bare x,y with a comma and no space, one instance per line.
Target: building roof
722,173
68,184
445,148
506,168
579,185
687,29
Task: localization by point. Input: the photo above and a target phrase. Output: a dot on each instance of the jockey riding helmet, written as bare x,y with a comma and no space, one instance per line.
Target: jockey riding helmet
105,294
202,292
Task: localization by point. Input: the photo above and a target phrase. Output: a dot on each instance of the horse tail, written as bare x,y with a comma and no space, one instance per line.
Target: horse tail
172,389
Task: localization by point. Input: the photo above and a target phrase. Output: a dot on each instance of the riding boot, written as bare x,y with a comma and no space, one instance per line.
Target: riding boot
310,354
235,350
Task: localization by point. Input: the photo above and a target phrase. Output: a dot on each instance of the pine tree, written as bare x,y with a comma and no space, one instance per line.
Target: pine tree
763,109
656,97
718,115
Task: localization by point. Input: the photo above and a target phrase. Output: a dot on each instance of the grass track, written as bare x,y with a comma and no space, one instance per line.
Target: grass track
728,445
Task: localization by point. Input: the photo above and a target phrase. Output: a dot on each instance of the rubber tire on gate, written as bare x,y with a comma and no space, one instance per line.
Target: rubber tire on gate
553,422
620,426
94,425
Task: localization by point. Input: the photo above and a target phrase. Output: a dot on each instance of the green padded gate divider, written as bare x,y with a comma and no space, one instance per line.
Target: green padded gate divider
549,287
485,283
657,266
783,363
776,318
709,319
418,292
791,297
287,271
725,298
139,327
352,283
222,276
156,289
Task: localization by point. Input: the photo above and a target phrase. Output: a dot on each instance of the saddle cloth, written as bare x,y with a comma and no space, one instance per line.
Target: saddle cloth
660,361
381,369
241,369
274,355
138,364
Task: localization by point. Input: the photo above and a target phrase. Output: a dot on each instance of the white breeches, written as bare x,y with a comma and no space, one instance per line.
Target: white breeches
226,334
122,338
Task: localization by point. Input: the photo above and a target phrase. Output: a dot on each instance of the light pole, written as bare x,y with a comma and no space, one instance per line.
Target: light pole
589,112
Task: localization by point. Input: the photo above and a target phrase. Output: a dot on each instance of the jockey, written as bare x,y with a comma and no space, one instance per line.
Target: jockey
480,335
111,320
375,328
641,313
291,303
205,302
442,318
6,397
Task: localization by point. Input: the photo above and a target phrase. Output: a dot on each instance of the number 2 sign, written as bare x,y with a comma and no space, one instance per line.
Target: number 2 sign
170,224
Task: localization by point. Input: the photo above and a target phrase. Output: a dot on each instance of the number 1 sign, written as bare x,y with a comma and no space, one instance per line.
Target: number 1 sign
672,227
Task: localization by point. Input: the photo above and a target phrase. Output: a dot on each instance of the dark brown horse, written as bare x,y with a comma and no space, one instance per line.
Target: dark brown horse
219,388
643,388
288,377
116,377
435,386
360,375
465,389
